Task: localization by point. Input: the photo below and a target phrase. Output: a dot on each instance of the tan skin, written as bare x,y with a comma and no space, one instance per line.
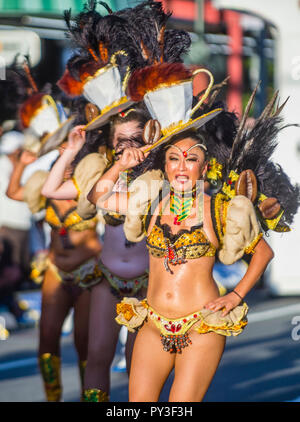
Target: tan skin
121,261
190,288
56,300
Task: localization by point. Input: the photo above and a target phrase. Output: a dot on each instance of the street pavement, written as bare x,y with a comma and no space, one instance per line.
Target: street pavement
260,365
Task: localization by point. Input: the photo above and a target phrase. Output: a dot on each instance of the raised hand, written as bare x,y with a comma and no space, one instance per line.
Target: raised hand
131,157
27,158
76,139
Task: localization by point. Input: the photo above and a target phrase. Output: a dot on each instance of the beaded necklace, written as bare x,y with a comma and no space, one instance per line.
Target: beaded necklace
181,204
171,255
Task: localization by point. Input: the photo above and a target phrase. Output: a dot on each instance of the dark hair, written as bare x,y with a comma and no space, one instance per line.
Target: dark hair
138,113
103,137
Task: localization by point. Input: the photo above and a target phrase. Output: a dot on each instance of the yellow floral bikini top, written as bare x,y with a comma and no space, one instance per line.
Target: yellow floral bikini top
70,220
186,244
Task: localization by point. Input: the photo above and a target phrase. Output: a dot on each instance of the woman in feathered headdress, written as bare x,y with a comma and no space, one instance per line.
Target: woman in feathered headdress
70,267
110,48
185,228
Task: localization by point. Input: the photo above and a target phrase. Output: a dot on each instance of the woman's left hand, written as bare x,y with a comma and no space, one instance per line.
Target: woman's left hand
225,303
76,139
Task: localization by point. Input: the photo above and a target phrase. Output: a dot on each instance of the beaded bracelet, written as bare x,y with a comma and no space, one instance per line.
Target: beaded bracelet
238,295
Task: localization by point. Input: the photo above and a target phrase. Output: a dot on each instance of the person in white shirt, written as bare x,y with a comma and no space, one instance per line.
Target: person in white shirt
14,215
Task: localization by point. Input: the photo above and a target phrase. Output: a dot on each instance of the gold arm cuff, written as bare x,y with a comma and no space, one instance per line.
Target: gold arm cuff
250,249
76,187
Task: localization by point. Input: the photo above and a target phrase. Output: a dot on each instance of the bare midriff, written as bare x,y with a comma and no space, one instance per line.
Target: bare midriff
191,286
188,289
122,261
85,244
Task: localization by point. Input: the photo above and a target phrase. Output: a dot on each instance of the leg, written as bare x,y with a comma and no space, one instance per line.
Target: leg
196,367
55,306
103,338
128,349
81,328
132,336
150,365
56,303
81,323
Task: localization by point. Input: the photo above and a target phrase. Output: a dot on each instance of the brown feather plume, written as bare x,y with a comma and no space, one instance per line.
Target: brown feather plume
29,107
150,77
103,52
71,86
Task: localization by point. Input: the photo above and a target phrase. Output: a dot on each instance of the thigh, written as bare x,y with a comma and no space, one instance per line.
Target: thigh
81,311
103,329
81,323
150,365
196,366
56,302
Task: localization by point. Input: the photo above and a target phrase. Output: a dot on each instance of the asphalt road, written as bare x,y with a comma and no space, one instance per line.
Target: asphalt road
260,365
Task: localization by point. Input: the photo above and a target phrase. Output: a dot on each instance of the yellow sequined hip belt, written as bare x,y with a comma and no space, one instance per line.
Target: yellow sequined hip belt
174,332
124,286
85,275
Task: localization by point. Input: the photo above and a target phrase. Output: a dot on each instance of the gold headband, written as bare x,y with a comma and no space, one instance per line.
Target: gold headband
125,113
185,153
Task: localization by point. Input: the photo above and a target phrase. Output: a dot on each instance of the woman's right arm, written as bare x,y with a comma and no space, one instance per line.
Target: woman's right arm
102,194
55,187
15,190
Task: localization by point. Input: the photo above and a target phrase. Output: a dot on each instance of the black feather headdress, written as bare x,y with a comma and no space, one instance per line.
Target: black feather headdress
249,170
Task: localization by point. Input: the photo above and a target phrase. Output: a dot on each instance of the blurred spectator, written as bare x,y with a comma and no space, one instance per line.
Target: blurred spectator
10,275
14,229
14,215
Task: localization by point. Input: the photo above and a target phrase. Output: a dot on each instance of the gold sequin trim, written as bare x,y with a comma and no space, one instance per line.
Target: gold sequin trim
192,245
76,187
250,249
95,395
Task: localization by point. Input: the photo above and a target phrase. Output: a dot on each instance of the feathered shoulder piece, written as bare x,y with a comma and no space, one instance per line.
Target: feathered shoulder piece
249,171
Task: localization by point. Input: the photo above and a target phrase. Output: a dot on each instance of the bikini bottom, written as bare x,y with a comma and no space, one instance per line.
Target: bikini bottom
174,332
84,276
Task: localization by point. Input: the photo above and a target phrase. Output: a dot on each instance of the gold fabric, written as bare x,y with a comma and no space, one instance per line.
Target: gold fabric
271,224
71,220
142,191
214,170
192,244
86,174
113,219
240,230
132,313
50,371
128,286
32,191
95,395
85,276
